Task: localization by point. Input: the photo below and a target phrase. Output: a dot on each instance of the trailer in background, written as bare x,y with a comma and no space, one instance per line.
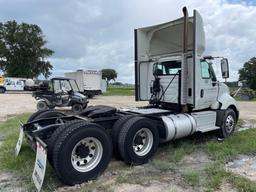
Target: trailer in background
90,82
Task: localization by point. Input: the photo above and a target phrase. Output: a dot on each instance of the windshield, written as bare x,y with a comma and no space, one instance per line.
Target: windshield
74,85
167,68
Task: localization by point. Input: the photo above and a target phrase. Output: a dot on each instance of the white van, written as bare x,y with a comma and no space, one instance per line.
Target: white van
13,84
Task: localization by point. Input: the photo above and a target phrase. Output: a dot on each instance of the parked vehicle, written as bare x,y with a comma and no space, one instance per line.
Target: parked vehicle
1,80
61,93
17,84
184,98
90,82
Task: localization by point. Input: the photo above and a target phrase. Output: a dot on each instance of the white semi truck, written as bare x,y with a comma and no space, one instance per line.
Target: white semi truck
90,82
184,98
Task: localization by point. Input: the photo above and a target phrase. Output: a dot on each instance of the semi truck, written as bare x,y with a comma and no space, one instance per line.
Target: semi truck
184,97
90,82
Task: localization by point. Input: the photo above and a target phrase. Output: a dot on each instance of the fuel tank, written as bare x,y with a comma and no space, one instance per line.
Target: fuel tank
179,125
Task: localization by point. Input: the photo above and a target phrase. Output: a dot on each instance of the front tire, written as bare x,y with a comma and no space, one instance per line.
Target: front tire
81,153
228,124
138,140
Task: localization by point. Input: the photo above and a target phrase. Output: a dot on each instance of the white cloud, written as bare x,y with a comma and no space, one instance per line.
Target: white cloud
99,34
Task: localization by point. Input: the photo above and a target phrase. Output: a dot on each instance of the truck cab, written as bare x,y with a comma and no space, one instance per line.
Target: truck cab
171,71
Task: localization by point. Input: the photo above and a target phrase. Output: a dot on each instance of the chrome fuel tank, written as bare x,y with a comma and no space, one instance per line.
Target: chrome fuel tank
179,125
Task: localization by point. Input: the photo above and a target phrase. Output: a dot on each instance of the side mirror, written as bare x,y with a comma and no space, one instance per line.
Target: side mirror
224,68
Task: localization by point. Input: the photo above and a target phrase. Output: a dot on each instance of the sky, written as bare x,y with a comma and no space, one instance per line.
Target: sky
96,34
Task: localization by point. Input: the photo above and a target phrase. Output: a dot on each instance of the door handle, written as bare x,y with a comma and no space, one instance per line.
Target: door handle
202,93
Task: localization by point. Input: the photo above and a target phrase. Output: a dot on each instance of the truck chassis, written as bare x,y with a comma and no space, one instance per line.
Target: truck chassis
80,147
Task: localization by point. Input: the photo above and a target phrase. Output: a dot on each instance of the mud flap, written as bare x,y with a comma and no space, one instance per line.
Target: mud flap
19,143
40,164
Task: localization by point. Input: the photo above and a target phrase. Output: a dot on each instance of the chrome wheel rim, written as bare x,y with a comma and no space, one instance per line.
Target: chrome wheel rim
142,142
230,123
86,154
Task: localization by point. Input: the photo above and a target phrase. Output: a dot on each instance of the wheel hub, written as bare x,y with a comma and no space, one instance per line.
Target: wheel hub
142,142
230,122
82,151
86,154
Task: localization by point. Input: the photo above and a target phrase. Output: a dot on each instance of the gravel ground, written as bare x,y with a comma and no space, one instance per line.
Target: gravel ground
12,104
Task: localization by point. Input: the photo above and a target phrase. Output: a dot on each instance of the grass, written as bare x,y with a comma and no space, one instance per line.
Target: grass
23,165
165,163
192,177
119,91
240,143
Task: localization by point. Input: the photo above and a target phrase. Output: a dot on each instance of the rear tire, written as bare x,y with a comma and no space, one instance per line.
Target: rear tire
2,90
138,140
92,163
42,105
77,108
115,134
228,124
56,135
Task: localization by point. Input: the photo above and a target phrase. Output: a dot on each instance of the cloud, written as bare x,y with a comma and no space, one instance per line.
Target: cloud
99,34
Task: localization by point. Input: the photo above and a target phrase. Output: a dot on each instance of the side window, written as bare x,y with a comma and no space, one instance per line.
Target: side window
205,70
18,83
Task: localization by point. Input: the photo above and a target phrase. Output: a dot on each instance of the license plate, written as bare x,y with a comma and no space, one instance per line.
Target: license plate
40,166
19,143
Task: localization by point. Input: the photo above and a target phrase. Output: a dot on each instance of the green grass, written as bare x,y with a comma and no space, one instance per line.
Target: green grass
119,91
243,142
21,166
192,177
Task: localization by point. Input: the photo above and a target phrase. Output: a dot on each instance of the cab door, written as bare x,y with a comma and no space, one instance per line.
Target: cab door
208,87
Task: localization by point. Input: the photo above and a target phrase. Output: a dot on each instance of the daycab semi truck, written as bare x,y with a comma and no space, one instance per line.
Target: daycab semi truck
184,97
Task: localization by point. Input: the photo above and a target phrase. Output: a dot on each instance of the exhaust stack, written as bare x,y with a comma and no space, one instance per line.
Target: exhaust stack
185,30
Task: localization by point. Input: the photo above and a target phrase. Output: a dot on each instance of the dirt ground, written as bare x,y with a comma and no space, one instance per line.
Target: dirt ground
12,104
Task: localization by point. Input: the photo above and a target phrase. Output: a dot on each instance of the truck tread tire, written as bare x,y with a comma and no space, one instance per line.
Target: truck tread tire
228,125
49,114
64,145
56,135
126,138
115,134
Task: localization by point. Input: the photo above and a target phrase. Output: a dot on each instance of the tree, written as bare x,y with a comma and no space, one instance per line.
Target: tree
109,74
247,73
22,50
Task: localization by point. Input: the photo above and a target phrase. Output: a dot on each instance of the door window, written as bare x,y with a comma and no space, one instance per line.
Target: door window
18,83
167,68
205,70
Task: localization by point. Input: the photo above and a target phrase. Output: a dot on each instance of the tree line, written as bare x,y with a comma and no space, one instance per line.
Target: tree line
23,54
